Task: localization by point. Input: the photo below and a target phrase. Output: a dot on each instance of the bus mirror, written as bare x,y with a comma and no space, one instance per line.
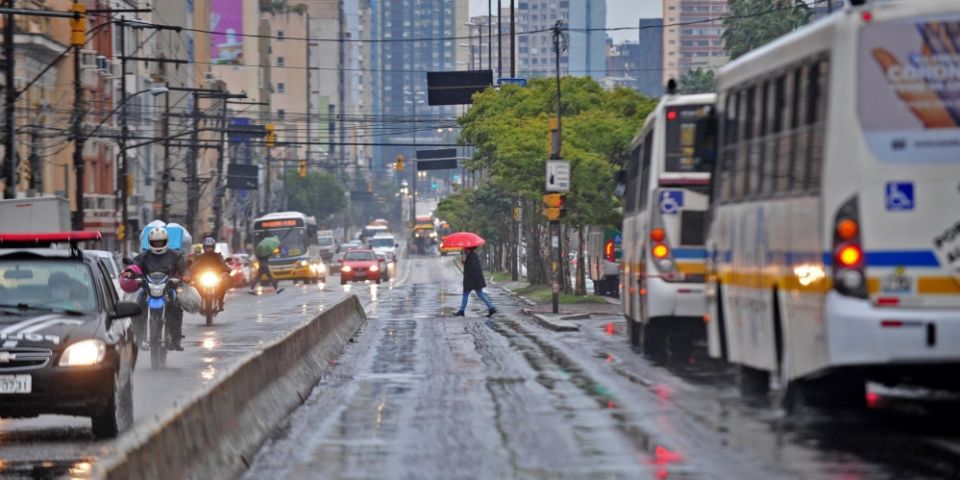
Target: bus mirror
620,183
705,144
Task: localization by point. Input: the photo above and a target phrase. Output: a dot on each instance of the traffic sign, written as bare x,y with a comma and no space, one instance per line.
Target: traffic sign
521,82
558,176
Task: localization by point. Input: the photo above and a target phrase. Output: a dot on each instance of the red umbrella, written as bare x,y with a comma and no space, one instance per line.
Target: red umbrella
463,240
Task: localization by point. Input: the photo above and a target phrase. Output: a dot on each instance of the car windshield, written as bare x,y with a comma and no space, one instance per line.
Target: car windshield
381,242
360,256
47,284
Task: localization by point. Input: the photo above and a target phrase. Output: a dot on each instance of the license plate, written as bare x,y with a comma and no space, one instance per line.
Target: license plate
16,384
361,274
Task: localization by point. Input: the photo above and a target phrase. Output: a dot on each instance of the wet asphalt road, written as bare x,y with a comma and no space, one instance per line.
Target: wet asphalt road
52,446
423,394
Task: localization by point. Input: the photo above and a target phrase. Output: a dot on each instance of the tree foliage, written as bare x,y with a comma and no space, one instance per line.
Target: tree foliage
753,23
508,128
697,81
317,194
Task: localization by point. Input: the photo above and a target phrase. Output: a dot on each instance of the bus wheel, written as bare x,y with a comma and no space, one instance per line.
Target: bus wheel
828,393
754,383
654,338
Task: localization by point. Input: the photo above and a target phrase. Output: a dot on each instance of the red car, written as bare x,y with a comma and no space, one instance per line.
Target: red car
360,265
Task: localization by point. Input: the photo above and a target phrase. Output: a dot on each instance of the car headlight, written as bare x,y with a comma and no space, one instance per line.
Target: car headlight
321,268
346,268
303,263
209,279
85,352
374,268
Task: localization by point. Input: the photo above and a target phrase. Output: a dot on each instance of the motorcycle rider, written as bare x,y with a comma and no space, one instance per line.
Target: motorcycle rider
213,261
160,258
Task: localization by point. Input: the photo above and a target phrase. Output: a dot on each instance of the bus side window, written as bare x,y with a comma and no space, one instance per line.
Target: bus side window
645,168
785,139
630,197
756,146
745,114
771,145
802,131
816,115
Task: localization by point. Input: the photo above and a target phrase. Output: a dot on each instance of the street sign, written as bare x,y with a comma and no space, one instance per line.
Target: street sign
361,196
436,164
558,176
242,177
456,88
436,154
521,82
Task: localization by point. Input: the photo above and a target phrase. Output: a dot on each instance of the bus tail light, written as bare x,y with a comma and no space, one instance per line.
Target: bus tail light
660,251
658,234
608,251
848,258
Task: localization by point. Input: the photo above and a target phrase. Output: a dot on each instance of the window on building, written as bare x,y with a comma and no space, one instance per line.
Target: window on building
281,88
281,113
279,61
280,35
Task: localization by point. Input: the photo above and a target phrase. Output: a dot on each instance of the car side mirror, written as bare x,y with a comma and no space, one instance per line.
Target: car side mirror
127,309
127,261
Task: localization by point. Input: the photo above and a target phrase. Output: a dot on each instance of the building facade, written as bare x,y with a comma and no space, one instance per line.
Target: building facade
585,54
689,46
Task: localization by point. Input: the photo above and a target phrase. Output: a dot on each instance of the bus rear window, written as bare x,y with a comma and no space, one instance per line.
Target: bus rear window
681,133
692,227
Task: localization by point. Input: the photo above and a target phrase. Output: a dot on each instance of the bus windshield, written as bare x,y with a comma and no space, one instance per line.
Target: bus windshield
681,133
293,241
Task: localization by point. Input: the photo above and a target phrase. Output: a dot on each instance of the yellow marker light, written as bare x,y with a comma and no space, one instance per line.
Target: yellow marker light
660,251
209,279
849,256
84,353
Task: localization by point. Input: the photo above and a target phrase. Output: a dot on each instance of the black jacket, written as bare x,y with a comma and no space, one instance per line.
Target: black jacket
472,272
171,263
210,261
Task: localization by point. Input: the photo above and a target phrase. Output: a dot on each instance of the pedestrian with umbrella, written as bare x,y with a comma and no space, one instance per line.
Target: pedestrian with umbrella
472,271
263,252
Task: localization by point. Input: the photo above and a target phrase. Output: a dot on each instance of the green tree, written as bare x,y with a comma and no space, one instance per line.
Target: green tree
317,194
753,23
508,128
697,81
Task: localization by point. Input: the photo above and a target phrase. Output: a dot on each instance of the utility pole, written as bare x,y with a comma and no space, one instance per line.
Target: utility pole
122,180
218,185
79,138
499,42
513,41
309,101
489,35
556,250
10,104
165,176
193,184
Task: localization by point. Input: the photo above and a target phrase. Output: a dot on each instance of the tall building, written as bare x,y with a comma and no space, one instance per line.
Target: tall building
691,46
486,44
623,60
650,62
586,48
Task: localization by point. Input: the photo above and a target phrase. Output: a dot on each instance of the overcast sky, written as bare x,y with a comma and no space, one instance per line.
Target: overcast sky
620,13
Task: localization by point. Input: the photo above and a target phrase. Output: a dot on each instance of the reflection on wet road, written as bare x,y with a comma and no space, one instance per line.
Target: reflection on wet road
55,446
422,394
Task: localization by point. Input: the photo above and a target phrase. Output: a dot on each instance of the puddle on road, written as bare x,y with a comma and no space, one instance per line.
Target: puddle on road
72,469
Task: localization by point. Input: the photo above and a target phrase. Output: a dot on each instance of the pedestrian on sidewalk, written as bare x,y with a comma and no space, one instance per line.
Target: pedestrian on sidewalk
473,281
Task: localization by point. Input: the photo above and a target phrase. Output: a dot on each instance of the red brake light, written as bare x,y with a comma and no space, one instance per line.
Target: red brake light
609,252
672,115
657,235
867,17
849,256
45,239
847,229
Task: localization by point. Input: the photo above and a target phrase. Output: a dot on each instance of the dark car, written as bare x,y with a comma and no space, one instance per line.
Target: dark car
66,342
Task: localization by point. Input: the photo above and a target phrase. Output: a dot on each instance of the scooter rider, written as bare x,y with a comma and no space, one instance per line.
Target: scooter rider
211,260
159,258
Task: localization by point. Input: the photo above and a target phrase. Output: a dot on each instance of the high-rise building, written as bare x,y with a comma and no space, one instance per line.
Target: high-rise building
650,62
687,45
623,61
586,47
488,46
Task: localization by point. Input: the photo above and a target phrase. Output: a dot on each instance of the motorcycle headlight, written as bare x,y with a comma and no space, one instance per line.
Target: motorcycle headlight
209,279
85,352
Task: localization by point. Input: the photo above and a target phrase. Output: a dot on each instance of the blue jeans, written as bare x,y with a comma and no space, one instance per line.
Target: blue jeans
483,296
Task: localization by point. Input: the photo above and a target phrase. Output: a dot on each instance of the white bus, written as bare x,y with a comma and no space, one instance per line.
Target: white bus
665,206
834,244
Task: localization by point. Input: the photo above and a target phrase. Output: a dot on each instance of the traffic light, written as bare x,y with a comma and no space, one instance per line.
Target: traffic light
398,165
121,232
303,168
78,24
272,135
554,206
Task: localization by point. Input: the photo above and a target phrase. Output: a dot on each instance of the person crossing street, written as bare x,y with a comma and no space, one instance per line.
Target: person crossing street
473,281
263,252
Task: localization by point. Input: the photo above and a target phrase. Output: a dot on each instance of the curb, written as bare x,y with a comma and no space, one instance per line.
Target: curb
216,434
551,322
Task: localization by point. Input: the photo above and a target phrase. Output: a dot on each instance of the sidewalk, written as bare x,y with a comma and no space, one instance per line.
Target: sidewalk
541,311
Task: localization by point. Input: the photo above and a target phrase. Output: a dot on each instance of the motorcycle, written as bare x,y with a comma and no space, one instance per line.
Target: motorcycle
160,290
209,283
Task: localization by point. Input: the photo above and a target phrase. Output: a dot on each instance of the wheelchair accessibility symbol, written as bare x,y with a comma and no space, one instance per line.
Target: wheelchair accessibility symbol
670,201
899,196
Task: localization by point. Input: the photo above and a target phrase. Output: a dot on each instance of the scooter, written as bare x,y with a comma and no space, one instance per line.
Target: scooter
209,283
160,290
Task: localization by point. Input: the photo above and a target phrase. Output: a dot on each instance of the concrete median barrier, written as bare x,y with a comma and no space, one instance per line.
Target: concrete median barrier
216,433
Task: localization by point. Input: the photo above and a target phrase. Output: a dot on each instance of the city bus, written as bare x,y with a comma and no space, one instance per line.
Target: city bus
834,242
298,257
665,208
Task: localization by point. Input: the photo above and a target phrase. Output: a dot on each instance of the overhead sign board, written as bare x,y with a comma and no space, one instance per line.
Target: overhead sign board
456,88
558,176
242,177
436,154
446,164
